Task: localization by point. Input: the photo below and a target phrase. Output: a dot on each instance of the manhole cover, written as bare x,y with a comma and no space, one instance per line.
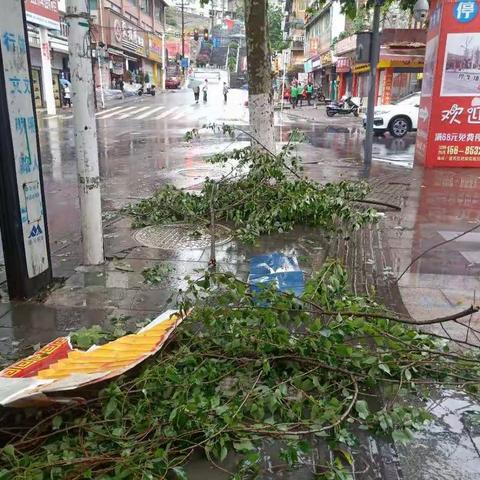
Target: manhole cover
200,172
180,236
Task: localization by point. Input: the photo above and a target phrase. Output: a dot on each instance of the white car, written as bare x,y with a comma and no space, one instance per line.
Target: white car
398,118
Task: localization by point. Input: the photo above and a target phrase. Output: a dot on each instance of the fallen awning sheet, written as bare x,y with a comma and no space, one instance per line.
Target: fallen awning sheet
58,367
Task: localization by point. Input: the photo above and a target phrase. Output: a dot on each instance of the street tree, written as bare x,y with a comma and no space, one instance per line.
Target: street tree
351,7
260,95
275,15
259,68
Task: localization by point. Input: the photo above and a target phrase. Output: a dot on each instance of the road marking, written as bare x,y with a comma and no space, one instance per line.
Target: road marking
134,112
150,112
179,115
108,110
165,114
116,112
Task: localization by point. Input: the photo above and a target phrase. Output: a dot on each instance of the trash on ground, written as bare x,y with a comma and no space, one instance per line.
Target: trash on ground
58,367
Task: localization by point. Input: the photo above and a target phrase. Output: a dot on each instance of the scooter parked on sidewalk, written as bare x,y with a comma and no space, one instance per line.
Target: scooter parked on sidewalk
344,107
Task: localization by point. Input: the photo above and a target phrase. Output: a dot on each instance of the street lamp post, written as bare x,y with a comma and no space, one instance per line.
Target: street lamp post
372,80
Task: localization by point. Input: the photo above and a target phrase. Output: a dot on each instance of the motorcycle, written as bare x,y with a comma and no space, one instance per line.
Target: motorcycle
342,108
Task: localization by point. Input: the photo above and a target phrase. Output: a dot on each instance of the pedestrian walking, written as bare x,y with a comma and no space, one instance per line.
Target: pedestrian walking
309,92
205,90
294,95
122,87
196,93
67,101
300,94
225,91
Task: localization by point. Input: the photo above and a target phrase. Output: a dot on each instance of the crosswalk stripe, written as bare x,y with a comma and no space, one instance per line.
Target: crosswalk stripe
115,113
133,112
164,114
108,110
150,112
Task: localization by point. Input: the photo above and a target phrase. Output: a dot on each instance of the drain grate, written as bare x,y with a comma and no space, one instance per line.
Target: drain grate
180,236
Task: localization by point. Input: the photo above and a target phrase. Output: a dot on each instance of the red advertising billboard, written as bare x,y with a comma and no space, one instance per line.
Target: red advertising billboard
449,114
43,13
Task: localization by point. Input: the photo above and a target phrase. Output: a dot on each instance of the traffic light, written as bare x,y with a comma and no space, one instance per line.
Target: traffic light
195,34
205,33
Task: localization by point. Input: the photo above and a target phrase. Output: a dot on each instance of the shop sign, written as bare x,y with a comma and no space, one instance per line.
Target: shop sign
361,68
326,59
316,63
127,36
117,66
154,47
348,44
23,131
449,126
308,66
43,13
343,65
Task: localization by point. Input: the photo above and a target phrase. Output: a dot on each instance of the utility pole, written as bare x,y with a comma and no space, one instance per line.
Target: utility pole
183,37
85,131
372,80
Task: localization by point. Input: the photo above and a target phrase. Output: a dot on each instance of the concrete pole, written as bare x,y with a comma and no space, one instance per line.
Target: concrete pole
100,74
372,80
85,132
47,80
164,67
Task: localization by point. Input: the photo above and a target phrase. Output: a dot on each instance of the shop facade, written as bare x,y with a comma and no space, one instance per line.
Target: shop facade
399,68
131,54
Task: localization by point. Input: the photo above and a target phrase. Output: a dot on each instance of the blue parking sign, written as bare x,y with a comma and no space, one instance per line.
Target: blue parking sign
465,10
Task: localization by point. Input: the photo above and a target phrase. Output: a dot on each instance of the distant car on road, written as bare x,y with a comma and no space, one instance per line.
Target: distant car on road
172,83
399,118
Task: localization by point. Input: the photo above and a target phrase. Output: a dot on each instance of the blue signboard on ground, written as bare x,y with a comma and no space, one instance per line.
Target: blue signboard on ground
277,269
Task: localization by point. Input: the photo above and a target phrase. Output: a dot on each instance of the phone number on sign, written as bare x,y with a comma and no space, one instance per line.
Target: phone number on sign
455,149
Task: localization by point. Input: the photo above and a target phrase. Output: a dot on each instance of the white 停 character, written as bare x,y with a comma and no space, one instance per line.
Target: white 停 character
474,115
452,114
465,10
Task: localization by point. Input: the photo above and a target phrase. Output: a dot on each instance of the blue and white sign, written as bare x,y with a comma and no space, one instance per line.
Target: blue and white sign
465,11
23,129
184,63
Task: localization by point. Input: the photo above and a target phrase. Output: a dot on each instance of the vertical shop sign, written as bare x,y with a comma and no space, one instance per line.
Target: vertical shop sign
449,116
24,226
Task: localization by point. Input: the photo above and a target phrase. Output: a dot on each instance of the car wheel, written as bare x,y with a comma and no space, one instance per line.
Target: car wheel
399,127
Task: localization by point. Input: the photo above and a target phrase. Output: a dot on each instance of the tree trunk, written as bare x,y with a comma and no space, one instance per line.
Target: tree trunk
260,95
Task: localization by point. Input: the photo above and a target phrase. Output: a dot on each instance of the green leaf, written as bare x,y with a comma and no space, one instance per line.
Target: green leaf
57,422
244,445
384,367
408,374
362,409
180,473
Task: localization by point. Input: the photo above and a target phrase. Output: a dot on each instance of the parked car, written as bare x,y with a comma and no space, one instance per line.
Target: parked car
172,83
398,118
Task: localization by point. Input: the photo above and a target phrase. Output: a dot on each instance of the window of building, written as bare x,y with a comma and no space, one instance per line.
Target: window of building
146,6
133,2
159,11
93,4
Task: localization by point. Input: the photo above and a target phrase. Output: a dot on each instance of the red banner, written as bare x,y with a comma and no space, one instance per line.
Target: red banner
449,114
43,13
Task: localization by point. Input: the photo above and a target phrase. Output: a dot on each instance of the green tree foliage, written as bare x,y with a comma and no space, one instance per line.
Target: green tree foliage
349,7
277,44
